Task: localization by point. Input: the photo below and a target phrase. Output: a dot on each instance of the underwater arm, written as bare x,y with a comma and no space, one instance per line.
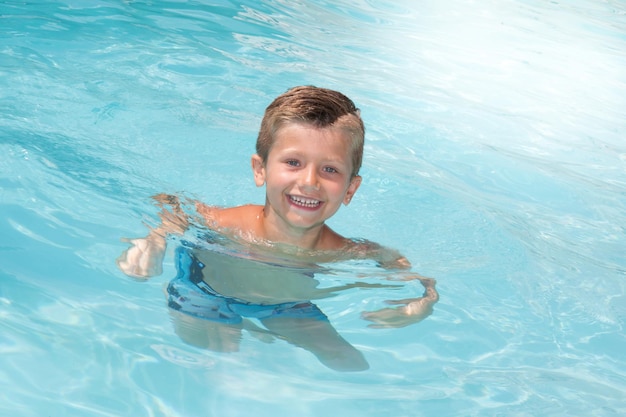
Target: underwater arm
144,258
408,310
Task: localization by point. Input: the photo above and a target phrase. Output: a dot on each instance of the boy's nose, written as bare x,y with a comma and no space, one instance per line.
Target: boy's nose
309,178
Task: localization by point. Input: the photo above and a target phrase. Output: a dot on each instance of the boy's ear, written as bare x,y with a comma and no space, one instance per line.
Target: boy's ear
258,169
354,185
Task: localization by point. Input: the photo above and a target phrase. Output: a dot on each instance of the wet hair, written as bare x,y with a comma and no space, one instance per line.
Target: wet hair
317,107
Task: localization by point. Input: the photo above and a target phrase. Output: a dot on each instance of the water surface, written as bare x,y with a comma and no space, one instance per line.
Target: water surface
495,161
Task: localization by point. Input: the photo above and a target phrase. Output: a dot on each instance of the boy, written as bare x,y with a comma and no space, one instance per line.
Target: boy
308,155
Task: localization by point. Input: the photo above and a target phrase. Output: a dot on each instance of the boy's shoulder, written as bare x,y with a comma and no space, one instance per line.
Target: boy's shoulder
240,217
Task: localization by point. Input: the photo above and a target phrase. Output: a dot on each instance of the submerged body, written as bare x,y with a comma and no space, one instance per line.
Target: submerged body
275,296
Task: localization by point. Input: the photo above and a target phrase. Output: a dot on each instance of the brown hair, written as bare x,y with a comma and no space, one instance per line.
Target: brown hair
318,107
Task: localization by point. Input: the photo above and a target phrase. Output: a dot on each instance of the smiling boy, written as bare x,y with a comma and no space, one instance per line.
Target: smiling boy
308,155
309,165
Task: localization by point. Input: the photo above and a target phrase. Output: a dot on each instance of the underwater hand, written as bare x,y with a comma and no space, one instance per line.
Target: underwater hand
412,310
144,259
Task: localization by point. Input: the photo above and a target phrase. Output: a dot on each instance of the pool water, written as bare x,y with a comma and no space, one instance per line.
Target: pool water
495,161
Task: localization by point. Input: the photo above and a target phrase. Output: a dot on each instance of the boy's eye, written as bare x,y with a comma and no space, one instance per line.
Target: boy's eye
330,170
293,162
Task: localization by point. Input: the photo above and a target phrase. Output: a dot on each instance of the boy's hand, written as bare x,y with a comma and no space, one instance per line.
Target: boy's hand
144,259
413,310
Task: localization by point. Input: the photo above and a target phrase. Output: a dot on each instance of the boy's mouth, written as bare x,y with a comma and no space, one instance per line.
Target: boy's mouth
304,202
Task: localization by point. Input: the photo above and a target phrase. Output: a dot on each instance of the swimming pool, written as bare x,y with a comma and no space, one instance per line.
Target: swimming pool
495,161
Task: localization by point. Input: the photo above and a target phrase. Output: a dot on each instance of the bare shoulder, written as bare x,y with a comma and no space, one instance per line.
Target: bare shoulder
240,217
331,240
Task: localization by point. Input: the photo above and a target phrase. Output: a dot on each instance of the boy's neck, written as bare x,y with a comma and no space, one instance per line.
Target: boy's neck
272,231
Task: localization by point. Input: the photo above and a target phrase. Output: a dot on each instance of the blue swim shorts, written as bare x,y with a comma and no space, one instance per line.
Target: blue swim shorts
191,295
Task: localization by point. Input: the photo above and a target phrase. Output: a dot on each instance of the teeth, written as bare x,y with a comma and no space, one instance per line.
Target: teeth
307,202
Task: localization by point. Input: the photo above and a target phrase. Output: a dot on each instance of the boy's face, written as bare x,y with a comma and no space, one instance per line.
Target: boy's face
307,175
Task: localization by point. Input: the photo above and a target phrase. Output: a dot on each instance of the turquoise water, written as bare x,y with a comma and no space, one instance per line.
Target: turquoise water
495,160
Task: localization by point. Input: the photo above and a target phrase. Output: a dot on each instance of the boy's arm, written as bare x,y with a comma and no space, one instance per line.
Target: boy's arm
410,310
144,258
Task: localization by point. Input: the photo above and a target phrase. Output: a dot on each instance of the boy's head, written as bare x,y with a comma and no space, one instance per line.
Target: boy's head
318,107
